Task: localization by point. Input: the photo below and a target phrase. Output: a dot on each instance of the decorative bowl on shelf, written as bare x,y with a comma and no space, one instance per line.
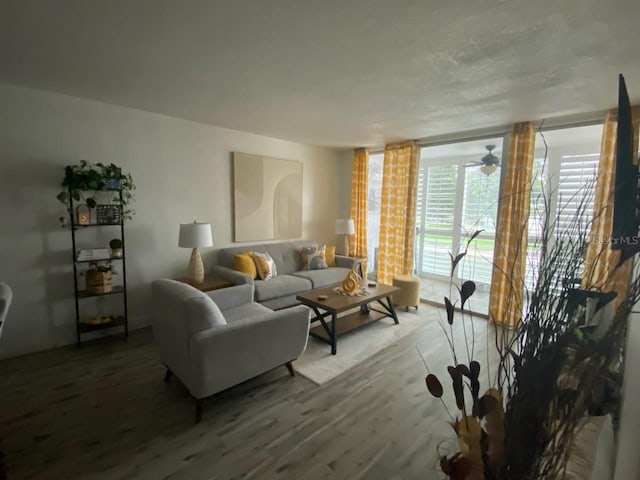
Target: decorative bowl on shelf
99,320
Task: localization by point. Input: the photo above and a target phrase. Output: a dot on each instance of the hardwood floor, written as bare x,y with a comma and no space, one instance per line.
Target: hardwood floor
433,290
102,411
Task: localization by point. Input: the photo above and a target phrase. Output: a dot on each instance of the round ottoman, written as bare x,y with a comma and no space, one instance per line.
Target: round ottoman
409,293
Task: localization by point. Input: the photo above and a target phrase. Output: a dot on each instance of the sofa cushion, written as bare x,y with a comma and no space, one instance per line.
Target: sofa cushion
323,278
286,255
249,310
281,302
281,286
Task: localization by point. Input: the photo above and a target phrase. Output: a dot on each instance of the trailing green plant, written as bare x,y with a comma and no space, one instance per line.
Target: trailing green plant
83,181
101,267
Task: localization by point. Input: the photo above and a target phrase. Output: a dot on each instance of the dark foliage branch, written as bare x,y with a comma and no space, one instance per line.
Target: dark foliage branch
547,367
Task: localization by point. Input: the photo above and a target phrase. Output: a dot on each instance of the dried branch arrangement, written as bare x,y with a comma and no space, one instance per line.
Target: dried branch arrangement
550,373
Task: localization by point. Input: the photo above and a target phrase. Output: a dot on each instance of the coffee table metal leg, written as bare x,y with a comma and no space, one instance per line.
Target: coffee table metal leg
393,311
334,341
389,308
320,318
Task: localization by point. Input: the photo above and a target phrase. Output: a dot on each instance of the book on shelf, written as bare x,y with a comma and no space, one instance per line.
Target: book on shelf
92,254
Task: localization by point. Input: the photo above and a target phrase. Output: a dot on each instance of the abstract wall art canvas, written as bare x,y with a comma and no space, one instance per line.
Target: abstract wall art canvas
267,197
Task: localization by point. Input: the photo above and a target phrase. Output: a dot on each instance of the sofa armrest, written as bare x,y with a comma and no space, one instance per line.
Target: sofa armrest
230,297
346,262
226,355
237,278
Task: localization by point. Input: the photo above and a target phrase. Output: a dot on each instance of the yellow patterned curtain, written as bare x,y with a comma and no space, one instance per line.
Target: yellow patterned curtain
510,255
359,194
600,260
398,211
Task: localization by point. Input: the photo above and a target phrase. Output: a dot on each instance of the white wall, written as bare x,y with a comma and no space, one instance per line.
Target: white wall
344,164
628,461
182,171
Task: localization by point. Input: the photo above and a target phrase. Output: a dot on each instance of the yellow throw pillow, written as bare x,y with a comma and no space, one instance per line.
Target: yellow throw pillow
244,263
330,255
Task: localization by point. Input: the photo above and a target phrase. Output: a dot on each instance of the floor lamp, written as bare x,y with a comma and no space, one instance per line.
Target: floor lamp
345,227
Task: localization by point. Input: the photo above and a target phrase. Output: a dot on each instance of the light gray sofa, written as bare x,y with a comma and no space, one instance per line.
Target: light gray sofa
281,291
214,340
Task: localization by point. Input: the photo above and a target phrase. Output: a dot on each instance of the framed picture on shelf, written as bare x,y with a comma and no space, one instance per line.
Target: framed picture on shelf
107,214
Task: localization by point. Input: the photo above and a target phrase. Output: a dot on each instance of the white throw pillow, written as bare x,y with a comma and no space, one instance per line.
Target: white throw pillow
265,266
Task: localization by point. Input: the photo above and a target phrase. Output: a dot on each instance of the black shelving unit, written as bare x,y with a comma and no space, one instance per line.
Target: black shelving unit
119,321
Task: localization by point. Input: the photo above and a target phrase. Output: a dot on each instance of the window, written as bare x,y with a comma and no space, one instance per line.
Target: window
567,178
435,217
373,213
455,198
575,192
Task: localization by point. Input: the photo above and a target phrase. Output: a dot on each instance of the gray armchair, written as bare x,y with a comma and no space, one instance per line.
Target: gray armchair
214,340
5,301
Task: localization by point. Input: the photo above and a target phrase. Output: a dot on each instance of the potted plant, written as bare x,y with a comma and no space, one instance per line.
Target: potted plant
116,248
83,181
546,375
99,278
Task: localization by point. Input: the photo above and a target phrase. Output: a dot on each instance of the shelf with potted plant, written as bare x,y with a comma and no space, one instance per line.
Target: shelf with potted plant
80,227
105,259
115,322
88,194
99,280
87,294
117,253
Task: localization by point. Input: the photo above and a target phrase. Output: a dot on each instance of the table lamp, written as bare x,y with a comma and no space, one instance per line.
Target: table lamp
195,235
345,227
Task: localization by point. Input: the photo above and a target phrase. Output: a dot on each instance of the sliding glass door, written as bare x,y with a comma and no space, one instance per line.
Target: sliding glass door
457,196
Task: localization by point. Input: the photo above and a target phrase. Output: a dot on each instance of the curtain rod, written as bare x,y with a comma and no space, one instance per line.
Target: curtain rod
557,123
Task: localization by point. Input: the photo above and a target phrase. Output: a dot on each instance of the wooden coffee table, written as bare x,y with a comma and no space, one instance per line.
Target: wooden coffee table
335,303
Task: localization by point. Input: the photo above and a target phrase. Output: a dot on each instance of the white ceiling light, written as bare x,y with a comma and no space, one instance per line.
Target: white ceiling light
488,169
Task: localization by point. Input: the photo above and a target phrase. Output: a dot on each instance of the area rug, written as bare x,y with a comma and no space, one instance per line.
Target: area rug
318,365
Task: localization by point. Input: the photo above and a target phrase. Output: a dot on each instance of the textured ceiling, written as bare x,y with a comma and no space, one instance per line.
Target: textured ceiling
332,72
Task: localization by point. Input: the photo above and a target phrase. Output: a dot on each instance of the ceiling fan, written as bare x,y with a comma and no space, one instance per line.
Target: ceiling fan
489,163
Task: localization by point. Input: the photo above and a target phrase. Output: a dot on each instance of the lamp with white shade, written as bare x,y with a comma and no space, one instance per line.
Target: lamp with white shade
345,227
195,235
488,169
